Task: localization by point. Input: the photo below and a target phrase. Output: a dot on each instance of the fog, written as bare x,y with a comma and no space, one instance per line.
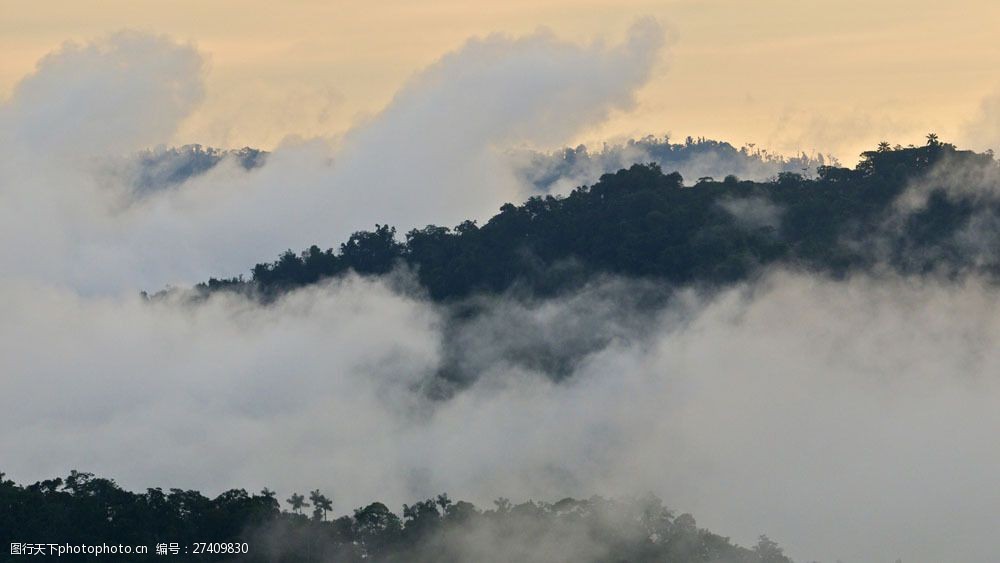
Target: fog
982,131
807,409
559,172
852,420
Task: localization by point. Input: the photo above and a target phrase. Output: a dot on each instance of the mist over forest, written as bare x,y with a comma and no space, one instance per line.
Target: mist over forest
447,335
548,172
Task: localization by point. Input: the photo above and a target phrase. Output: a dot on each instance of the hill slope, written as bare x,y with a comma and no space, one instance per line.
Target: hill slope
917,210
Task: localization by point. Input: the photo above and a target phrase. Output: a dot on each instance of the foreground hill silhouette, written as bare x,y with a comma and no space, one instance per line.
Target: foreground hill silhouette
642,222
84,510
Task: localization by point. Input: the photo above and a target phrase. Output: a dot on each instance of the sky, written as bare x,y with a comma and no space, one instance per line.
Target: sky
834,77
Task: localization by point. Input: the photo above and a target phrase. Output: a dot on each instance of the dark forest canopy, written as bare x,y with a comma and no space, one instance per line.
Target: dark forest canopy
644,223
83,509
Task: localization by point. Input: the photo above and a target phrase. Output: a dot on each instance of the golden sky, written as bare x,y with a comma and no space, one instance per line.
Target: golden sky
836,75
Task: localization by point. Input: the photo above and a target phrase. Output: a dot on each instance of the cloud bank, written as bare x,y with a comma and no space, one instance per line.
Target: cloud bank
870,414
433,155
122,92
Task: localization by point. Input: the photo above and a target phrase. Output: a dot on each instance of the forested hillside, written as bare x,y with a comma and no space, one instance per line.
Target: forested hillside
84,510
648,223
161,168
694,158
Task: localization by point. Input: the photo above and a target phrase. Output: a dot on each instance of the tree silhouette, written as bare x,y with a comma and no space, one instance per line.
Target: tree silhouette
444,502
297,502
93,509
767,551
321,505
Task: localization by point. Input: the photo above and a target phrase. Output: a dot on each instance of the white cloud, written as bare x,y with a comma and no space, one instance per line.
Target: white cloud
117,94
809,410
433,155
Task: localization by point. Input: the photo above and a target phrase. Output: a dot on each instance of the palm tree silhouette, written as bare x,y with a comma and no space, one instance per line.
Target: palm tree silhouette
321,503
298,502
